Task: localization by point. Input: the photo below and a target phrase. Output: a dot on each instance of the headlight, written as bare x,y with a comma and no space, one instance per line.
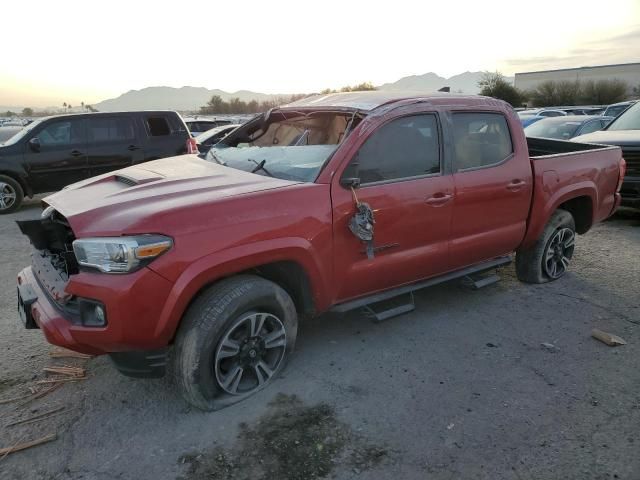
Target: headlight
120,254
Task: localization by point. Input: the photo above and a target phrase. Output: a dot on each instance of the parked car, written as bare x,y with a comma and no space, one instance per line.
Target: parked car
624,132
56,151
527,120
7,132
330,203
578,110
543,112
201,125
565,128
616,109
205,140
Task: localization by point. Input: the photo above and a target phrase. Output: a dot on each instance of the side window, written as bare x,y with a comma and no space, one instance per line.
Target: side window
480,140
405,147
110,129
158,126
62,133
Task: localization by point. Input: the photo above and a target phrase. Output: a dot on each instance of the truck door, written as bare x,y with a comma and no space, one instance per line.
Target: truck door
112,144
493,187
56,154
402,178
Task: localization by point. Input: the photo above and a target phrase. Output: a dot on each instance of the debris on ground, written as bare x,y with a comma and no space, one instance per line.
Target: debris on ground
41,416
39,394
76,372
4,401
608,338
549,346
64,353
23,446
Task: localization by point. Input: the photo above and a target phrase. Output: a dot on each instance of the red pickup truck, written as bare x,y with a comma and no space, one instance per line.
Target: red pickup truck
331,203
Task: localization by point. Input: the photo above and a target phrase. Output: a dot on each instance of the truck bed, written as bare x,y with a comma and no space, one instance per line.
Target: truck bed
564,171
541,147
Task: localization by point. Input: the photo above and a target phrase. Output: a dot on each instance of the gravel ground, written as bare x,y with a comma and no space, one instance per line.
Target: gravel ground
461,388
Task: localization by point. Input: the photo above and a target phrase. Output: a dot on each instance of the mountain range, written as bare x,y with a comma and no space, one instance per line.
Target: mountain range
186,99
192,98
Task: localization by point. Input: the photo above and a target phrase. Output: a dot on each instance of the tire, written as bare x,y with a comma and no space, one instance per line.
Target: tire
554,247
11,195
215,341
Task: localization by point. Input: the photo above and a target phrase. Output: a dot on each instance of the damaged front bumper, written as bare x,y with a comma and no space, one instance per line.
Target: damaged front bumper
130,303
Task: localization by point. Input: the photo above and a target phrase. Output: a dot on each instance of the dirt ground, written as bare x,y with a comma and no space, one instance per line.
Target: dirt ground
461,388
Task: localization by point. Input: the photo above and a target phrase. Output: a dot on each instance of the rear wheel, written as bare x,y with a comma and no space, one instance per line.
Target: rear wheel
548,259
11,195
234,339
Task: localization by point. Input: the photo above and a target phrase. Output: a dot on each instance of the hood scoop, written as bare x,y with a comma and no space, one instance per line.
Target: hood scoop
137,176
126,180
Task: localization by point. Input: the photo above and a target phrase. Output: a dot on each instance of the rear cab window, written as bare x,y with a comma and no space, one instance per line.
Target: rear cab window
480,140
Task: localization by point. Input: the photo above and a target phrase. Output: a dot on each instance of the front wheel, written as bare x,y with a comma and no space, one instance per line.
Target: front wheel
548,259
11,195
233,341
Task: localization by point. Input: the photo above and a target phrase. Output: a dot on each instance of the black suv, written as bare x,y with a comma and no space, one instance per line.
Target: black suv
56,151
624,132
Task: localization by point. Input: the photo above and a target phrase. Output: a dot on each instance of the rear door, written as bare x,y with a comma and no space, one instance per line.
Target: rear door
401,170
493,187
61,158
112,143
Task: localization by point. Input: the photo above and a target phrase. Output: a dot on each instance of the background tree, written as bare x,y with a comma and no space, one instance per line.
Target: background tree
82,106
64,105
604,92
27,112
496,86
552,93
360,87
9,113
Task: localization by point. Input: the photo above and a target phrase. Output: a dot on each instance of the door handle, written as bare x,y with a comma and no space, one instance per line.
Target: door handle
76,153
516,185
131,148
439,199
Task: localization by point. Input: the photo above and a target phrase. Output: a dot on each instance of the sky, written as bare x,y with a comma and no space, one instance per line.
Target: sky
88,51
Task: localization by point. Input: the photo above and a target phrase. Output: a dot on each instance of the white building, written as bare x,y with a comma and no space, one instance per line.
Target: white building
628,72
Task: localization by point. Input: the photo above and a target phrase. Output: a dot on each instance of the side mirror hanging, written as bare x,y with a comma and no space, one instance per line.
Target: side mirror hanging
350,182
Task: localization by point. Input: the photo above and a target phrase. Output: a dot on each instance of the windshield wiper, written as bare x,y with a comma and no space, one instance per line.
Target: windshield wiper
260,166
217,158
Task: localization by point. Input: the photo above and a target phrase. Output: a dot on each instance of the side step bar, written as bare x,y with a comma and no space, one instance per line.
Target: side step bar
386,295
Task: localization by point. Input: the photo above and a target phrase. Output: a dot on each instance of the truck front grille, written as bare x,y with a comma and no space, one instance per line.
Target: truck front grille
53,238
632,157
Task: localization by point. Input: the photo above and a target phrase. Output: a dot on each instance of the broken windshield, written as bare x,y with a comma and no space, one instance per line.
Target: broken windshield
289,145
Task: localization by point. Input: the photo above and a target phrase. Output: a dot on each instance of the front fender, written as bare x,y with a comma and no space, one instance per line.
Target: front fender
224,263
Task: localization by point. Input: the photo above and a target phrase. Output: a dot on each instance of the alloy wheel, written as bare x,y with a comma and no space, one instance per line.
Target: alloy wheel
559,252
7,196
250,352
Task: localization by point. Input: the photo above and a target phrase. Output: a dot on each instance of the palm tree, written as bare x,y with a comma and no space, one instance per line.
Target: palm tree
64,105
82,103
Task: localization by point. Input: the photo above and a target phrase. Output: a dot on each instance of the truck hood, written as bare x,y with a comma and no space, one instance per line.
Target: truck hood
622,138
120,200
